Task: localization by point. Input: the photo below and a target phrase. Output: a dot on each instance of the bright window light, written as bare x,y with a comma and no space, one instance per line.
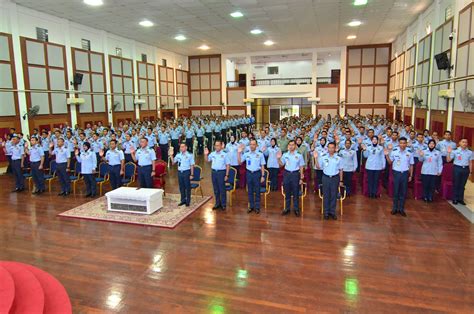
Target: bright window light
94,3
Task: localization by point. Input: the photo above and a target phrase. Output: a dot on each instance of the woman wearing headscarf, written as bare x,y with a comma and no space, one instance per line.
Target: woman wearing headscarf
430,170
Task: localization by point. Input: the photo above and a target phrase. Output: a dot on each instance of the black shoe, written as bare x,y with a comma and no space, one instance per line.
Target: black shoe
257,211
402,212
216,207
15,190
60,194
223,208
21,190
66,193
297,213
393,212
326,217
249,210
187,205
455,202
462,203
88,195
425,200
181,203
334,217
34,192
285,212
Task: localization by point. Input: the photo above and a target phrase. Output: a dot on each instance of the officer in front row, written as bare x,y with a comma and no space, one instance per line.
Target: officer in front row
17,152
294,175
63,159
254,163
220,165
36,154
88,160
402,162
115,158
185,161
145,158
462,168
332,167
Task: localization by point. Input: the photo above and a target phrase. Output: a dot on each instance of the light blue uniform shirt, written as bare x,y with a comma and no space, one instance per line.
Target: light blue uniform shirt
88,162
145,156
272,161
184,161
200,132
292,161
114,157
253,160
62,154
443,147
417,147
432,162
331,165
462,157
349,159
127,145
163,138
218,160
189,133
96,146
17,151
151,140
401,160
36,152
175,134
231,150
375,158
45,144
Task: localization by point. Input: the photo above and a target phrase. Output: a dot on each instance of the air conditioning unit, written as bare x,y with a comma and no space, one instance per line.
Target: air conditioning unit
446,93
75,101
139,101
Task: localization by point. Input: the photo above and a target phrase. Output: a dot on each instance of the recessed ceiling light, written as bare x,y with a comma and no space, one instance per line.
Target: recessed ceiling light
360,2
236,14
94,3
268,43
351,37
256,31
146,23
180,37
204,47
354,23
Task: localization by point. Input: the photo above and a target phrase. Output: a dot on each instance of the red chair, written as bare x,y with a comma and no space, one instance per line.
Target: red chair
158,153
242,176
280,177
447,181
307,175
354,183
159,181
417,184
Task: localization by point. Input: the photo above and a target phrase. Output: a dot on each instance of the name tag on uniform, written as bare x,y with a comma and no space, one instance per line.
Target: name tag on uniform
429,159
459,157
248,162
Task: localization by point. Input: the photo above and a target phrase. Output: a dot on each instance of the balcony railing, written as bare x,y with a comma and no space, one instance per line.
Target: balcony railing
280,81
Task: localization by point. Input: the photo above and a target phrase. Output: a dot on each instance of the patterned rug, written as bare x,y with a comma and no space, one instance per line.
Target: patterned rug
169,216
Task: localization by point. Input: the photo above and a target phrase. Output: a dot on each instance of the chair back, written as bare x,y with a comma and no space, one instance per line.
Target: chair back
197,173
303,188
158,152
103,170
418,167
232,178
160,168
129,171
447,174
52,168
266,183
77,169
320,190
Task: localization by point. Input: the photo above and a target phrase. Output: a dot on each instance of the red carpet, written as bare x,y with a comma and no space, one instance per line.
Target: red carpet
27,289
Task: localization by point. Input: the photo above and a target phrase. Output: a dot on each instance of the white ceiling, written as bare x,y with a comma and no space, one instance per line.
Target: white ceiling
291,24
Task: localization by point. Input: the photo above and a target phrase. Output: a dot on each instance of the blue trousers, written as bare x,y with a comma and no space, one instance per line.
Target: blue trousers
291,186
64,180
253,188
144,176
373,181
175,145
91,185
200,140
185,186
38,176
46,160
189,143
460,176
273,172
115,179
429,185
347,178
164,152
18,173
400,186
218,184
128,158
330,190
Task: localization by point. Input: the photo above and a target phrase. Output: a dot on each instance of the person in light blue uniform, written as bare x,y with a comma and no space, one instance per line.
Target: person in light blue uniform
151,138
418,146
402,162
462,158
349,164
293,178
96,145
231,149
145,158
45,140
255,164
185,161
127,147
200,139
17,151
374,165
163,139
189,134
220,165
332,167
87,159
36,154
175,134
272,163
116,160
430,170
62,164
208,134
444,144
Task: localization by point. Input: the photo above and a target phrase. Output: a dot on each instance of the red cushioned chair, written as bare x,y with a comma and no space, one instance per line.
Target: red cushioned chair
242,176
280,177
160,174
447,181
354,183
158,153
417,184
307,175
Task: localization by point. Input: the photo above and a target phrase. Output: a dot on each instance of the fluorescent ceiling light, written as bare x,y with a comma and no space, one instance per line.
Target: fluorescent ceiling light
94,3
204,47
236,14
354,23
351,37
256,31
268,43
360,2
180,37
146,23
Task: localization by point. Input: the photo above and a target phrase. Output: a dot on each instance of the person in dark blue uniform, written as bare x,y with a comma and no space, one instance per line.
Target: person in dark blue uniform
220,165
185,161
116,160
62,164
17,151
145,158
255,164
462,158
36,163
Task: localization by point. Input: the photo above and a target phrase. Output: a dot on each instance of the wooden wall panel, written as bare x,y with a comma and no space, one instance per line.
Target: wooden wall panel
205,80
13,120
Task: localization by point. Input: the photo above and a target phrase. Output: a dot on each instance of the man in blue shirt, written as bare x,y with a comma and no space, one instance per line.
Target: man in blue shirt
444,144
62,164
462,159
220,166
163,138
18,153
402,162
185,161
145,158
255,163
36,154
116,161
88,161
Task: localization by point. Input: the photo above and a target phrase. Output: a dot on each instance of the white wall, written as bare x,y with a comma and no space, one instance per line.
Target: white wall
230,70
288,69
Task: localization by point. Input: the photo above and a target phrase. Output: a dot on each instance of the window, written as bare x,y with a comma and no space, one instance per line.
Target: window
42,34
272,70
86,44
